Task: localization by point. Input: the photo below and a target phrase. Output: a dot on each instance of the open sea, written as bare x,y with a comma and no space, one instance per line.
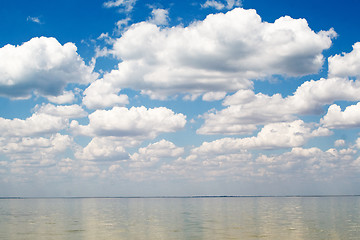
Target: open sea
181,218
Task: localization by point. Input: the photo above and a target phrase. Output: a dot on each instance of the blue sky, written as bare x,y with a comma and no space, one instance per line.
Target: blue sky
148,98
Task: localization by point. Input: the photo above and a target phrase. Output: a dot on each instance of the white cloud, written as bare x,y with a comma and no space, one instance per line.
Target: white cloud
47,119
153,153
103,149
346,64
159,17
42,65
136,122
339,143
335,118
213,96
37,124
218,5
245,109
271,136
127,4
28,153
221,53
66,97
34,19
101,94
357,144
67,112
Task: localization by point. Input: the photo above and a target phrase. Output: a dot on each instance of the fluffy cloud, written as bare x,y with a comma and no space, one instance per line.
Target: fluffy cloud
102,94
47,119
42,65
221,53
102,149
153,153
37,124
20,146
274,135
219,5
346,64
67,112
335,118
127,4
65,97
245,109
213,96
339,143
159,16
136,122
29,156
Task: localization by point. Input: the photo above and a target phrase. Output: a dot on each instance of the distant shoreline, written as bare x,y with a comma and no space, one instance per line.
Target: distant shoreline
194,197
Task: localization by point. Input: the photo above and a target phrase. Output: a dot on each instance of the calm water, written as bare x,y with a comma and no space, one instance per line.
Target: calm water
181,218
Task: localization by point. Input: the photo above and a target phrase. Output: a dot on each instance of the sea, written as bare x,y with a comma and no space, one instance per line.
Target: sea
291,217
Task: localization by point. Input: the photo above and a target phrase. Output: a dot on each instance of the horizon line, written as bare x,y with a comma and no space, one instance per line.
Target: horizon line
190,196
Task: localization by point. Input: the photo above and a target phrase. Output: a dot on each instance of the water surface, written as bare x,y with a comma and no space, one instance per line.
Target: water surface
181,218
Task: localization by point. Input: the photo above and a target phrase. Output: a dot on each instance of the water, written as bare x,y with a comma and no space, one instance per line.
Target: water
181,218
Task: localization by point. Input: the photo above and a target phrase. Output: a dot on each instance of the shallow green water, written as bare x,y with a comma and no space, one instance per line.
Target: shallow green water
181,218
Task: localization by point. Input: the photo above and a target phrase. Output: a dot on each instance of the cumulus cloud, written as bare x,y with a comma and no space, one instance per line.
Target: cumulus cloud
346,64
245,109
47,119
159,16
68,111
213,96
339,143
219,5
30,155
101,94
136,122
126,4
153,153
271,136
64,98
222,53
335,118
41,65
37,124
103,149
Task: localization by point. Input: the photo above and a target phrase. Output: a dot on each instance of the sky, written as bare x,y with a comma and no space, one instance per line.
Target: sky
179,98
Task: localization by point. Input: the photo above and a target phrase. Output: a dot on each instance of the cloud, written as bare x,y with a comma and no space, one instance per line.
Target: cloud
222,53
346,64
271,136
246,110
339,143
136,122
34,19
37,124
127,4
17,147
218,5
213,96
47,119
101,94
65,97
213,162
67,112
335,118
29,156
159,17
103,149
41,65
155,152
